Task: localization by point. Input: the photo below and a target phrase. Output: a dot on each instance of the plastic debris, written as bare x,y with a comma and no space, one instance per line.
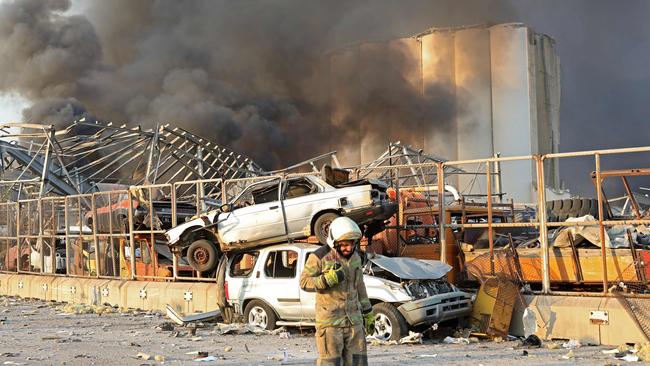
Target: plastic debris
206,359
159,358
427,355
227,349
571,344
285,335
530,322
452,340
568,355
611,351
629,358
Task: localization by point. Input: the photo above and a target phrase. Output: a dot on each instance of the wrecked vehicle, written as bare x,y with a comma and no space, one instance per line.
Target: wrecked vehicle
264,286
115,217
277,210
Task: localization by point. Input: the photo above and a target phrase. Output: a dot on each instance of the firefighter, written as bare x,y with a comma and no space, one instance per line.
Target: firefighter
342,306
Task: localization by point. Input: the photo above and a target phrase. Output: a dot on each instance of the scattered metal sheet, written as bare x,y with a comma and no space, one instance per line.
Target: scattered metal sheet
183,320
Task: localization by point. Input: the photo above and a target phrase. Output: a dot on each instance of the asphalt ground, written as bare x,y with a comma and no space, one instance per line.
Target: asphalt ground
34,332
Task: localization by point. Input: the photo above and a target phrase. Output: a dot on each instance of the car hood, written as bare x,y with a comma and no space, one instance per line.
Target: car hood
411,268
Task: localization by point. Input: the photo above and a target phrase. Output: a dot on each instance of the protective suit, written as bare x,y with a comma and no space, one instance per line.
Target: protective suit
341,301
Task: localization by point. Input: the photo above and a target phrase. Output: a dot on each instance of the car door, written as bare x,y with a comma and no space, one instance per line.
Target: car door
281,282
240,281
256,215
307,299
300,197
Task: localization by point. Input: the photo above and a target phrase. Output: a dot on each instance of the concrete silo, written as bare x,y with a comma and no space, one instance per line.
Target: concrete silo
458,93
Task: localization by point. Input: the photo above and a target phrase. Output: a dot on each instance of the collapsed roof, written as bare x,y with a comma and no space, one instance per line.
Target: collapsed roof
39,160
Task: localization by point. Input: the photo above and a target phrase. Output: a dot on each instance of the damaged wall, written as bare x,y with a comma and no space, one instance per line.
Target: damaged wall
459,93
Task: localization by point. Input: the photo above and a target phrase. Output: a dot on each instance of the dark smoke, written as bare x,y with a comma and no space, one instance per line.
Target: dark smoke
251,75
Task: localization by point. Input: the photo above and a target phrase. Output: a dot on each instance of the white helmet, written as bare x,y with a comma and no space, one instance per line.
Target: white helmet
343,228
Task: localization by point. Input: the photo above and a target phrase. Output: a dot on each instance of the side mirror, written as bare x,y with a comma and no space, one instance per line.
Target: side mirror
226,207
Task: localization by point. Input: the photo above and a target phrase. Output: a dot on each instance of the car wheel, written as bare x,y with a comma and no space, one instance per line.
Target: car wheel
322,226
202,255
259,314
390,325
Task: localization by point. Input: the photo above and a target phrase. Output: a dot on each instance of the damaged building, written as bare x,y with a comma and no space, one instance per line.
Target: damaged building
458,93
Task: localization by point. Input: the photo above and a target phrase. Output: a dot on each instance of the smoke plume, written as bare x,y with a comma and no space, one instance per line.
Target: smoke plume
251,75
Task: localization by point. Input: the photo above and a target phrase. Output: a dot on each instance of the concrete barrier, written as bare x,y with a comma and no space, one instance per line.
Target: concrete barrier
578,317
185,297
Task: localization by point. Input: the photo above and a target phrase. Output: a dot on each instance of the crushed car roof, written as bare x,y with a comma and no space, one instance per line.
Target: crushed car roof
411,268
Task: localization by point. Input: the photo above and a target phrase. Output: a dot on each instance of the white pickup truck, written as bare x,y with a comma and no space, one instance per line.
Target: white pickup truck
263,285
277,210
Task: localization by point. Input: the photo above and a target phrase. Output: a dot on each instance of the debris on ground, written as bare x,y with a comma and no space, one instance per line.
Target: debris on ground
166,326
238,328
532,341
183,320
412,338
571,344
569,355
143,356
453,340
86,309
373,341
552,345
644,351
629,358
159,358
207,359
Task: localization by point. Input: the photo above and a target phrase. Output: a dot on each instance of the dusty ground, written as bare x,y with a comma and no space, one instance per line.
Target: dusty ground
41,333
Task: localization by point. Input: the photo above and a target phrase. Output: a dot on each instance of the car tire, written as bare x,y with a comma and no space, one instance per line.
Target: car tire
560,210
322,224
258,313
390,324
202,255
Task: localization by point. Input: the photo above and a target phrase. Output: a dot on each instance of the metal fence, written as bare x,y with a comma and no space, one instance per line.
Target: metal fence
118,234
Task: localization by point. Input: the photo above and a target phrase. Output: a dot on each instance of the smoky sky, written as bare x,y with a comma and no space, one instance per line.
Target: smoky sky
252,74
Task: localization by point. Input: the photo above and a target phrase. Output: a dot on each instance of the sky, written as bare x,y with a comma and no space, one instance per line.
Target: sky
604,48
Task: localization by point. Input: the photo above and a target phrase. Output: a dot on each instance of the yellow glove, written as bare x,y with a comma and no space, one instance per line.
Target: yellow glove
334,276
369,322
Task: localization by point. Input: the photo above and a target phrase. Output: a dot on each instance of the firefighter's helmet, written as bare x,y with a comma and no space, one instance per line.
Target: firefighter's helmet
343,228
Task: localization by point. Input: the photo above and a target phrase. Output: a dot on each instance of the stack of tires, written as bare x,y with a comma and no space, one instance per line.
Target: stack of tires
560,210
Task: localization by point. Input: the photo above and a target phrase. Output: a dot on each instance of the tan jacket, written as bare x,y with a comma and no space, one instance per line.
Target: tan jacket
342,304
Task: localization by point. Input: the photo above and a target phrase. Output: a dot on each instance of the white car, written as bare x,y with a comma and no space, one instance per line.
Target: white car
278,210
264,287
